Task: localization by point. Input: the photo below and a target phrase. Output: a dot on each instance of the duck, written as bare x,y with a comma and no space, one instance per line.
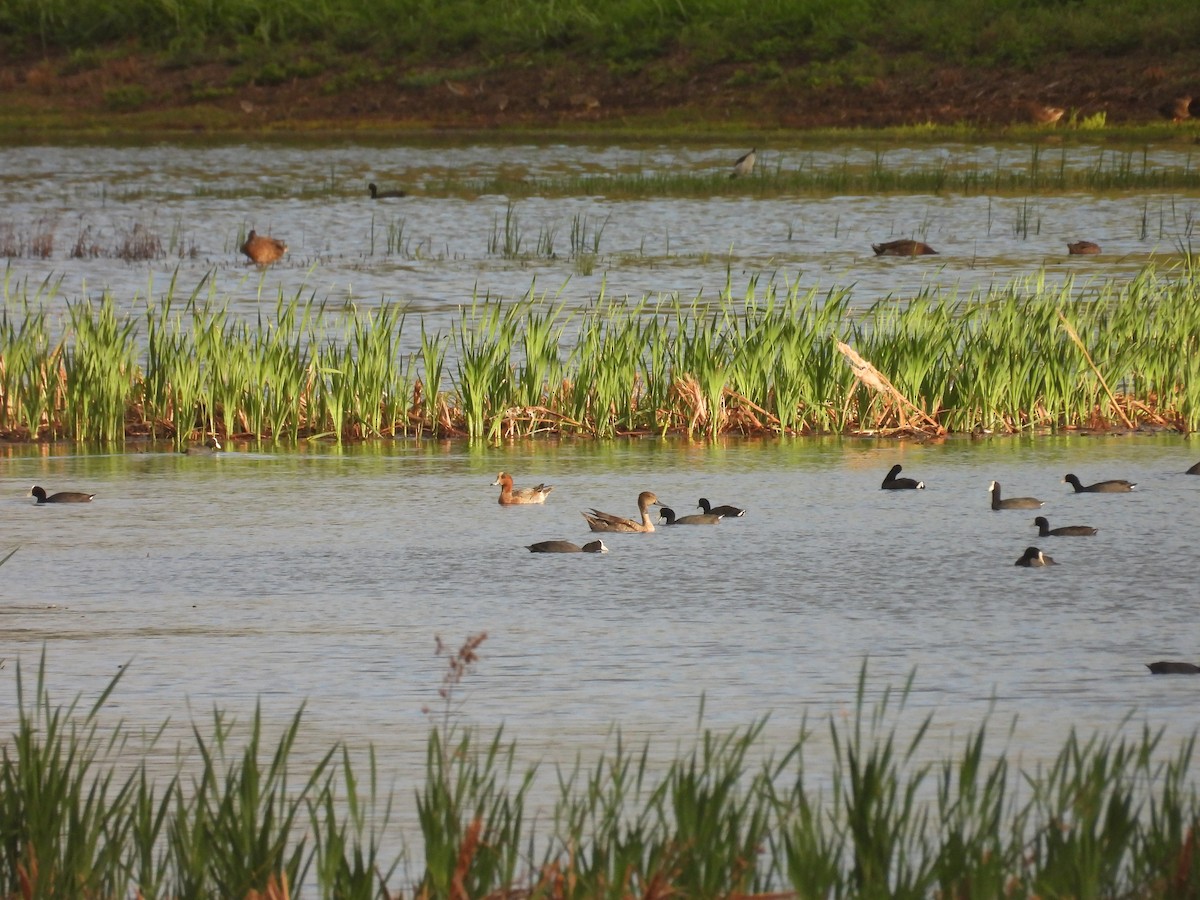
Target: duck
1164,667
1044,529
667,516
744,164
1112,486
61,496
903,247
892,483
1194,470
729,512
602,521
377,194
208,448
1045,115
1033,558
567,547
1083,248
263,250
510,497
1013,502
1178,109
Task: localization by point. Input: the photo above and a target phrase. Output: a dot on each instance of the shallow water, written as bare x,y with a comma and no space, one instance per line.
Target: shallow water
323,578
432,253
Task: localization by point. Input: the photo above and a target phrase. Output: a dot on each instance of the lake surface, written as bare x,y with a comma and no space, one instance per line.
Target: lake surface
323,578
432,253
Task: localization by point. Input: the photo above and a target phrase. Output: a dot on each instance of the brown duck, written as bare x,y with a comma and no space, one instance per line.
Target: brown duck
903,247
602,521
263,250
510,497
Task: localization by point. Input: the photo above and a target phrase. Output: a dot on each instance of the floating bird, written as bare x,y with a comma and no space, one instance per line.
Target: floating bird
509,497
1083,248
61,496
567,547
1178,109
1113,486
1172,668
1045,115
1013,502
1194,470
744,164
668,518
903,247
602,521
892,483
1033,557
263,250
377,194
1044,529
730,512
208,448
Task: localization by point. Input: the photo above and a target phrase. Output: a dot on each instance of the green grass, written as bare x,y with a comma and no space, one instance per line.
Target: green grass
1012,358
625,34
723,814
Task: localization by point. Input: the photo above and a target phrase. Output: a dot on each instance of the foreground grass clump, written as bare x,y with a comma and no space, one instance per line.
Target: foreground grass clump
882,816
1012,358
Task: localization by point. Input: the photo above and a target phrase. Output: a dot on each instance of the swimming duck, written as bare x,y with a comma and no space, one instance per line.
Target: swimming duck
1163,667
1013,502
377,194
509,497
602,521
903,247
892,483
1044,529
667,516
744,164
263,250
208,448
1083,248
729,512
1033,558
1113,486
61,496
567,547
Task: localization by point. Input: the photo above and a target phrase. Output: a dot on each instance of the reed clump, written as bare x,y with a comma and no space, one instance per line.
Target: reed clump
882,814
1021,357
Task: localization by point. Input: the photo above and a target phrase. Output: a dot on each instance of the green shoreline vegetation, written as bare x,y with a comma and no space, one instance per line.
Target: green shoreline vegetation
1026,356
82,816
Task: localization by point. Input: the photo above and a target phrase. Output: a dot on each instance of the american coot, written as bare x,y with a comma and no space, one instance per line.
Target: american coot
1194,470
668,518
1083,248
567,547
509,497
744,164
1113,486
263,250
602,521
377,194
1033,557
729,512
61,496
1164,667
208,448
903,247
1044,529
1012,502
892,483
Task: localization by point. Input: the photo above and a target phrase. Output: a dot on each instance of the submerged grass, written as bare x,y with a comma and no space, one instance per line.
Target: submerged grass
884,815
1022,356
